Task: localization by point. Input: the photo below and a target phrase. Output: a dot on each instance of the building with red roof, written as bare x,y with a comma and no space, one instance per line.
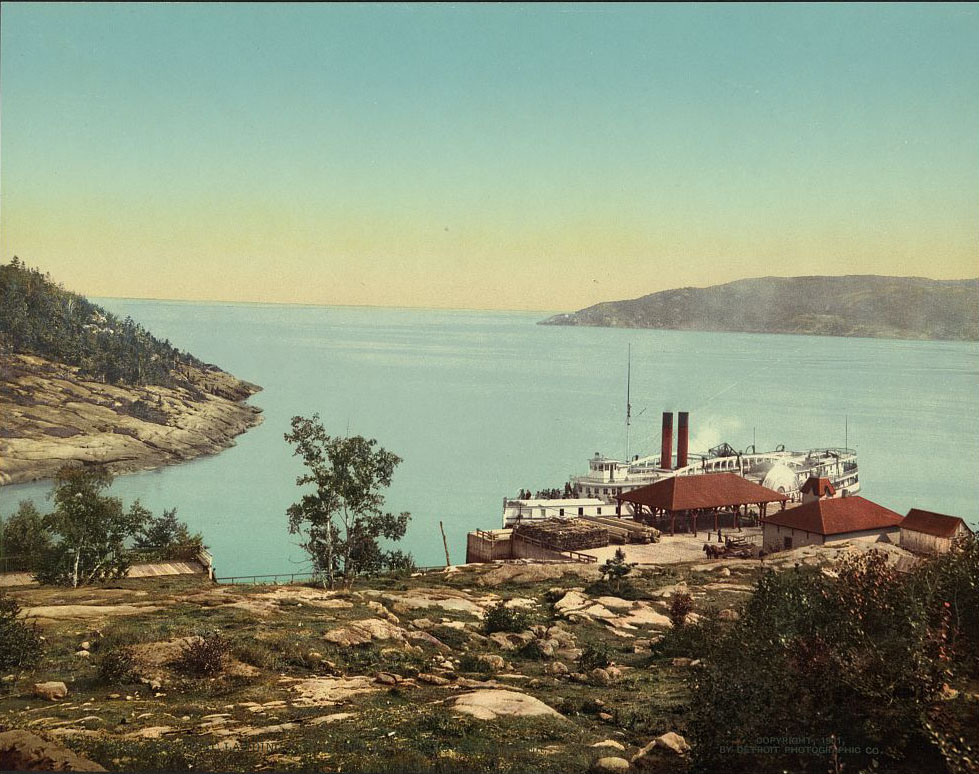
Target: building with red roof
817,488
830,520
926,532
690,497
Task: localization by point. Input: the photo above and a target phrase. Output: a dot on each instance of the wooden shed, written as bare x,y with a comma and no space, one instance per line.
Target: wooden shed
925,532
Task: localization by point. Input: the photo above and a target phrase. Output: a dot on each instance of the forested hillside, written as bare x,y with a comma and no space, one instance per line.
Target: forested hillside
39,317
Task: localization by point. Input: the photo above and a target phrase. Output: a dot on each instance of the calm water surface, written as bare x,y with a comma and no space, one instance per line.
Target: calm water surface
482,404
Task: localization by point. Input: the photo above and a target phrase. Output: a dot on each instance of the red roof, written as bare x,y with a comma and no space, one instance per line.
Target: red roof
937,524
837,516
821,487
705,490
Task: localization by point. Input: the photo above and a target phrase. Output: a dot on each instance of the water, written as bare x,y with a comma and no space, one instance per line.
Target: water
482,404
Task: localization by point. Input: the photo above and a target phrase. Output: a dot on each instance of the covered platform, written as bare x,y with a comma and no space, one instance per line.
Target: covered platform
706,496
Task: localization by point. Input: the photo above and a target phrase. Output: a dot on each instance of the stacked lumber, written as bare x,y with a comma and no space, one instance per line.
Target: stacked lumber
625,531
565,534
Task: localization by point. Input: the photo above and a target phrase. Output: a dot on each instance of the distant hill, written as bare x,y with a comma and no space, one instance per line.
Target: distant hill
855,305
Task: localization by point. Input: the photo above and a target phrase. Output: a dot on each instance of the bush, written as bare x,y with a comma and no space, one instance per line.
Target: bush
500,618
681,604
862,656
691,640
147,412
457,639
594,657
117,665
20,644
202,656
470,662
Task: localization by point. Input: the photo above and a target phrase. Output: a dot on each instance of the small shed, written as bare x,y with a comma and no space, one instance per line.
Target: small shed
827,520
925,532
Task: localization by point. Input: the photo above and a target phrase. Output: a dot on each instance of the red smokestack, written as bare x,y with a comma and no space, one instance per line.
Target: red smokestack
666,453
681,439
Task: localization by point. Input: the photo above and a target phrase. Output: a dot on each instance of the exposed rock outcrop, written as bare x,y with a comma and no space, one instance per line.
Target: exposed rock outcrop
50,416
24,751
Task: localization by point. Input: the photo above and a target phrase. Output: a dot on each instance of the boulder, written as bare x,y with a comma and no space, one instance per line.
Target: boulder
386,678
728,615
511,640
611,743
52,691
494,662
24,751
433,679
611,764
491,704
681,661
536,573
383,612
327,691
420,637
599,676
363,632
556,668
669,742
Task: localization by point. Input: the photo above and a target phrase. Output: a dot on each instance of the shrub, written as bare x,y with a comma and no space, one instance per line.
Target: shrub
616,569
862,656
147,412
594,657
681,604
500,618
691,640
469,662
202,656
117,665
456,639
20,644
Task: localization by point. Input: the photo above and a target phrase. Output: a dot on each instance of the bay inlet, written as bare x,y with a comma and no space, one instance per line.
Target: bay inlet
482,404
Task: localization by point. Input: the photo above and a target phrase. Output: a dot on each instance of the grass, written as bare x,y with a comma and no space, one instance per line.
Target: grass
392,729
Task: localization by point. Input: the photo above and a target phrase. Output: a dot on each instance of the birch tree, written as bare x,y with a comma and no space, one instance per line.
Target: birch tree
89,529
342,518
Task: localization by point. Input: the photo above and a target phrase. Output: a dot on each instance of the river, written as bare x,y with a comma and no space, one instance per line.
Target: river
482,404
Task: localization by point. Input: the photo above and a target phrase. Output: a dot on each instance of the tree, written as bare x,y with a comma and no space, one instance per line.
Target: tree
615,570
90,529
23,536
343,518
169,537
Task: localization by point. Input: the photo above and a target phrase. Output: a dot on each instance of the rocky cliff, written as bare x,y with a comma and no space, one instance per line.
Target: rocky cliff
50,415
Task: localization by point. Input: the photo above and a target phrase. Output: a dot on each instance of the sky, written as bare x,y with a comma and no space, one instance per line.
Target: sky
491,156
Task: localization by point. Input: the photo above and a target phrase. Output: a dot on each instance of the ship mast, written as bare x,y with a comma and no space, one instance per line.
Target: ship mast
628,403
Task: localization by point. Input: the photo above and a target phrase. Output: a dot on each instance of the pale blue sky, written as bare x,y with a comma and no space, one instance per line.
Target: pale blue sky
485,156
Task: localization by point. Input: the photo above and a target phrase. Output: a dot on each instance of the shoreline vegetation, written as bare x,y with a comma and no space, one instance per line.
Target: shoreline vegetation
865,306
79,385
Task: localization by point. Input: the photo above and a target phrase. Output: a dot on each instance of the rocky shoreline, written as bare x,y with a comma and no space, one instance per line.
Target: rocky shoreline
50,416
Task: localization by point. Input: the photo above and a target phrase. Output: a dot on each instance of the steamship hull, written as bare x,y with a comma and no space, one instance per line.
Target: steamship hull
780,470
